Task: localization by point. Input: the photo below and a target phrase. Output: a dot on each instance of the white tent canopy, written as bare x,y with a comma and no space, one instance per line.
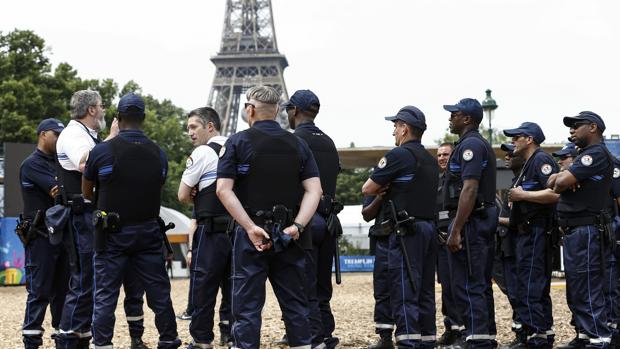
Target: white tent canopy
354,228
181,221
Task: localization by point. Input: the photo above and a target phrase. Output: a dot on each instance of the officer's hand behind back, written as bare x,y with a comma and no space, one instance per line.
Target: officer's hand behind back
259,238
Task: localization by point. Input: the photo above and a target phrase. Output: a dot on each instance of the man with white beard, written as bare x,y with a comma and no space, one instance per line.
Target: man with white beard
73,146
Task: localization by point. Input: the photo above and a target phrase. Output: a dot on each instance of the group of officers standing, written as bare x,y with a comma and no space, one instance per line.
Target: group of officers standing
575,205
91,224
264,204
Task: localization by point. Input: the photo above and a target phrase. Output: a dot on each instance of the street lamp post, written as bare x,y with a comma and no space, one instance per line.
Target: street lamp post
489,105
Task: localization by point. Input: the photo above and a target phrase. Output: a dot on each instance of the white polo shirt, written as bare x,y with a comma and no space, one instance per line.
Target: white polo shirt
201,166
74,141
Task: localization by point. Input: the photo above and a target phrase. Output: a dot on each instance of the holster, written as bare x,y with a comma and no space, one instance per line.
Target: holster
28,230
104,223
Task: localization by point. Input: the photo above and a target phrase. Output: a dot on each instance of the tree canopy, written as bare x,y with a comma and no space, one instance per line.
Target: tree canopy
30,92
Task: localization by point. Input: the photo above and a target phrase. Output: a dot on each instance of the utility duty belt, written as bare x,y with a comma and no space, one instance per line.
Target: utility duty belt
217,224
28,230
278,214
479,211
77,204
603,221
327,206
274,221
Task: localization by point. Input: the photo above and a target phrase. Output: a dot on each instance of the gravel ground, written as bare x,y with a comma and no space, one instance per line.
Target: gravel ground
352,305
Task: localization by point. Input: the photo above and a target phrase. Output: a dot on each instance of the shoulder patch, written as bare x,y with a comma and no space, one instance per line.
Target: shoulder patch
546,169
189,162
616,172
468,154
586,160
222,151
382,163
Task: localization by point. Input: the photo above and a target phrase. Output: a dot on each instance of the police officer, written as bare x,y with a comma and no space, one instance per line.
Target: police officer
583,219
211,246
302,108
470,198
565,157
129,172
613,293
47,269
506,247
74,143
452,319
532,216
379,240
269,183
411,174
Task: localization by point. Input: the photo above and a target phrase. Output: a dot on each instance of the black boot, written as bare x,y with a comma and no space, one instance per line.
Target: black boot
224,339
385,342
448,337
137,343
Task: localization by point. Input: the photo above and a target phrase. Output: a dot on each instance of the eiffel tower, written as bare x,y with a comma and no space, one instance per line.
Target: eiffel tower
248,56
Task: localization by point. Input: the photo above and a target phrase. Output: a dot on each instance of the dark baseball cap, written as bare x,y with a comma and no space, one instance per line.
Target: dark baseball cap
585,116
132,104
50,124
467,106
568,150
529,129
508,148
56,218
303,100
410,115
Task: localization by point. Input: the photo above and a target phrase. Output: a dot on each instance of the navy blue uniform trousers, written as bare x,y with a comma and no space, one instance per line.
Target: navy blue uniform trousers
139,246
210,269
414,312
384,322
533,286
319,263
473,293
47,279
75,326
133,303
452,319
510,280
286,273
584,277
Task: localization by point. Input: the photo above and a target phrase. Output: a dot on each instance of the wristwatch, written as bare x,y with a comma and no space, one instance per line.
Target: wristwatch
300,227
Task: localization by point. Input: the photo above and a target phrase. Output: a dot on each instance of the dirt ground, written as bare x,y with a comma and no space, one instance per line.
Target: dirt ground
352,305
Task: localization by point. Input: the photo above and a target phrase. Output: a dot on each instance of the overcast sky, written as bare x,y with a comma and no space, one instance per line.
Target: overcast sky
543,59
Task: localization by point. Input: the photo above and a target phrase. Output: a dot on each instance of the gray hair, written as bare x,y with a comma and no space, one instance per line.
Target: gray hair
81,100
263,94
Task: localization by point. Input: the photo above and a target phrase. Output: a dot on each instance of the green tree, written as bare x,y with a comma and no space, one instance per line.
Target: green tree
349,185
29,92
498,136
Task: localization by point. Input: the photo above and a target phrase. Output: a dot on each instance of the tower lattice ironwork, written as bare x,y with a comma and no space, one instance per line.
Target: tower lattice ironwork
248,56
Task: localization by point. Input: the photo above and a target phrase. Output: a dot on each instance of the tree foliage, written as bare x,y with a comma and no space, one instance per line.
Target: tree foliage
30,92
349,185
498,136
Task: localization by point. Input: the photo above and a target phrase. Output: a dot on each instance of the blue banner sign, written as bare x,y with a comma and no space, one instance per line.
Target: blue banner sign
356,263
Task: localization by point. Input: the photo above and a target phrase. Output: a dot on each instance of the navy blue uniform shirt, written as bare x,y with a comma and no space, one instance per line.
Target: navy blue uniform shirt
590,164
536,172
100,161
470,160
37,177
236,154
397,166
